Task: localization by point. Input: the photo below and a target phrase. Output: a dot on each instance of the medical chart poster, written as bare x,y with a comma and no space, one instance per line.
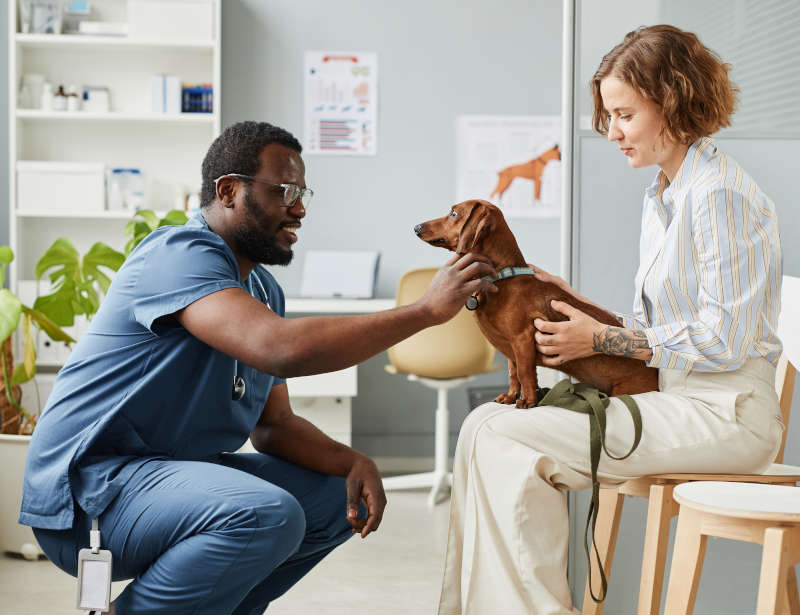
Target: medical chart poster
512,161
341,90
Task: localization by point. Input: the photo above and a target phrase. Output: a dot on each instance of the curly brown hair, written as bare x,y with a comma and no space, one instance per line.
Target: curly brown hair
674,70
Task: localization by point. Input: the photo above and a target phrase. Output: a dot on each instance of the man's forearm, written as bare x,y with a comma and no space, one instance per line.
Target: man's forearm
327,343
621,342
300,442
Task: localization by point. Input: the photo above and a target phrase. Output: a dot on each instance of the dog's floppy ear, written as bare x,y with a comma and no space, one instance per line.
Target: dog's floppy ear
476,227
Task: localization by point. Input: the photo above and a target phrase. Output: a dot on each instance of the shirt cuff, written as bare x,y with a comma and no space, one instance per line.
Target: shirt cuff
628,321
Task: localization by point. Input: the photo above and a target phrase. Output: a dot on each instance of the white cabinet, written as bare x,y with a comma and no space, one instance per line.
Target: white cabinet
167,148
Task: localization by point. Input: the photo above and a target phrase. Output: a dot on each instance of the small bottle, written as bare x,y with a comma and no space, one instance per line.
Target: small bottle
179,200
60,99
73,101
47,97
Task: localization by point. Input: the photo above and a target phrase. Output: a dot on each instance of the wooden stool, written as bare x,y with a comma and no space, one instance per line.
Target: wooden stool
766,514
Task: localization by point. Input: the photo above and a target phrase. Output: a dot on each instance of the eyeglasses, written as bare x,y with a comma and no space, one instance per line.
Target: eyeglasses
291,192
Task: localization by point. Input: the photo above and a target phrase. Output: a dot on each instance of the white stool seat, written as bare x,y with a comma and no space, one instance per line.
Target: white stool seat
744,500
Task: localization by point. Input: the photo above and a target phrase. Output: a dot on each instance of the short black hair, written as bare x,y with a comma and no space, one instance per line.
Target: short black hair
236,150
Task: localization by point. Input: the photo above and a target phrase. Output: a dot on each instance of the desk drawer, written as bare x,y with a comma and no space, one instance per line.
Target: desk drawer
334,384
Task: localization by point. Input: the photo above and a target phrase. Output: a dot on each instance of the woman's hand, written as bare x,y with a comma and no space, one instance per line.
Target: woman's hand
559,342
542,275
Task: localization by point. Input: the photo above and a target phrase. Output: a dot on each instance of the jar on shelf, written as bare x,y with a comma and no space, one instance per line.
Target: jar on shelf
125,189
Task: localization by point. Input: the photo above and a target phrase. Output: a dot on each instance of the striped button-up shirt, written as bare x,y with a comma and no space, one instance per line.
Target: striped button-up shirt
707,293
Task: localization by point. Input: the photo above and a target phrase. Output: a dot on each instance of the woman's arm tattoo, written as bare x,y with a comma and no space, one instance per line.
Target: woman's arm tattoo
621,342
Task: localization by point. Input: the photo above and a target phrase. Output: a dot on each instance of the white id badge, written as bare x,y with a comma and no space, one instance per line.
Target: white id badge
94,580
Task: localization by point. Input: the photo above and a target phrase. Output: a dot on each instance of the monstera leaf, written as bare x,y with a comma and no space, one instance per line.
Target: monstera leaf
145,221
75,280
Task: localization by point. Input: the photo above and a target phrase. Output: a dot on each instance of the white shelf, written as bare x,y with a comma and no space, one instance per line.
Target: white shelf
85,116
299,305
40,41
92,215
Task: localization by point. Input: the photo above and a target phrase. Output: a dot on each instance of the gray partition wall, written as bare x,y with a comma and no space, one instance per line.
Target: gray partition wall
436,60
765,138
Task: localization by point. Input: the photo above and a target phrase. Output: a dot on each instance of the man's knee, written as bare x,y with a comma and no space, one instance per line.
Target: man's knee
276,524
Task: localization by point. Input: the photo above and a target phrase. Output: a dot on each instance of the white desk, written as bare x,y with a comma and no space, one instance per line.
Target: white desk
298,305
325,399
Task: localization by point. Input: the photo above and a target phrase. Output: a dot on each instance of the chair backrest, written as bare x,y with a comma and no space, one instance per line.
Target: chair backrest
452,350
789,334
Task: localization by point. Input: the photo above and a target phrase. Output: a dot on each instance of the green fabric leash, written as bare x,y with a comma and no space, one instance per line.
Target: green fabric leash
586,399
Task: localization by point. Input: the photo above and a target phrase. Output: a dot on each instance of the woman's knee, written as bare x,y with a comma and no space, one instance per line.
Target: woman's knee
477,417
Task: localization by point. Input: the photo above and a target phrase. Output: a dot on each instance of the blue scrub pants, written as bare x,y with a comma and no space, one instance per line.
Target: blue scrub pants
211,538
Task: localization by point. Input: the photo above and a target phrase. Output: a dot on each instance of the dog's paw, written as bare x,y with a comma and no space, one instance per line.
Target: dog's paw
505,398
525,403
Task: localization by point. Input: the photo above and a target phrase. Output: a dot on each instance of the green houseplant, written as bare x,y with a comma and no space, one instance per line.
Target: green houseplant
75,281
13,313
145,221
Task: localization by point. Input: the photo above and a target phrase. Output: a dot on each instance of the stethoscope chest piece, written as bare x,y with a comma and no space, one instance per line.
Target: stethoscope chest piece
238,388
472,303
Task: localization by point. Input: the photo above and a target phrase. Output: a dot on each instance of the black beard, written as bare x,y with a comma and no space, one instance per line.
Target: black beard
253,243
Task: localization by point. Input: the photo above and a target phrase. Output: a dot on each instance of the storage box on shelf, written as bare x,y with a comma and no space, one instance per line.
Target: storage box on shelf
60,186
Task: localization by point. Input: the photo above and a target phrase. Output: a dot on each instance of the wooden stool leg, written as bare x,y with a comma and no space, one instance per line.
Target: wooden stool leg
661,508
608,516
687,563
774,569
792,598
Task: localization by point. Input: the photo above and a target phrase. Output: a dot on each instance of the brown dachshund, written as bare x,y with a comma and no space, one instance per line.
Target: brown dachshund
506,317
532,169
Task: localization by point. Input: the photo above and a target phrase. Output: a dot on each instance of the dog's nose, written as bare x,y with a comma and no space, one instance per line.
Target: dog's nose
418,229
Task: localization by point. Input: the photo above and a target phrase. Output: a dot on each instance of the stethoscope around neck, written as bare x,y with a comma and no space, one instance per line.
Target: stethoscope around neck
239,385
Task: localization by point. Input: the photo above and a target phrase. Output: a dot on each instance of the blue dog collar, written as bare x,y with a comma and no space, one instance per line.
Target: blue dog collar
509,272
503,274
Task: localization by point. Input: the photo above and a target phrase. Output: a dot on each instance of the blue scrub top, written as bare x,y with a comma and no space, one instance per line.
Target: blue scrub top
133,390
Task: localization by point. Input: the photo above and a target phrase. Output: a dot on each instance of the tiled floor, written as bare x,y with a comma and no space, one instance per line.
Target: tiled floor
395,571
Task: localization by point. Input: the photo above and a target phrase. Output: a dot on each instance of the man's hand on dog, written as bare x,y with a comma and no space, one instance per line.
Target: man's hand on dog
454,283
559,342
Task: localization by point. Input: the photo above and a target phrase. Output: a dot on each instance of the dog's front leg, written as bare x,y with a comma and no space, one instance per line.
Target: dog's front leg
525,355
513,386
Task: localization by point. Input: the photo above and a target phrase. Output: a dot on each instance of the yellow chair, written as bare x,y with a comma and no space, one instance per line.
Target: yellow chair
442,358
659,488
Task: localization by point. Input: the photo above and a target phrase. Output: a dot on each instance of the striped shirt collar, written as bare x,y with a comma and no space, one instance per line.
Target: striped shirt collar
664,193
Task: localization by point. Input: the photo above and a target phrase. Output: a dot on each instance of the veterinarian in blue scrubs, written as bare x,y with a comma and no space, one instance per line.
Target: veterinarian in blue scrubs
705,313
184,361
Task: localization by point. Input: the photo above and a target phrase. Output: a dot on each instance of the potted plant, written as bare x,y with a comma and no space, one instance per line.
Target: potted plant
75,281
145,221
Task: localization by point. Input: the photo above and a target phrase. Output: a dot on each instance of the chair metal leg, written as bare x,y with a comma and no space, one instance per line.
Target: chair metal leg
440,479
660,510
607,528
687,564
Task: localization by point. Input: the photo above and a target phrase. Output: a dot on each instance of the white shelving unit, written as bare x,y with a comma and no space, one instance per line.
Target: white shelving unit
167,148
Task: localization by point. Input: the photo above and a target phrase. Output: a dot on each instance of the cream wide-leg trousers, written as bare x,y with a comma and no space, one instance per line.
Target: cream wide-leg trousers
507,544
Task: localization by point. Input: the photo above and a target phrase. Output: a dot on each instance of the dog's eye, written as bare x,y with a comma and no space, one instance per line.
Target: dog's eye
453,213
